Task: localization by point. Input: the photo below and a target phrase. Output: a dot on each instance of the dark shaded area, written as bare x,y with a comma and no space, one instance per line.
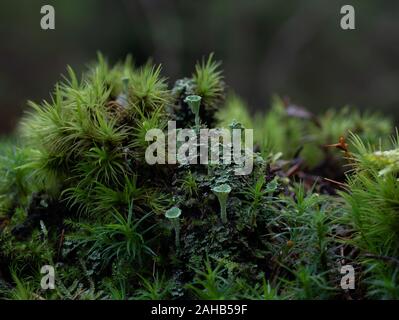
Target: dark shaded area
293,48
41,208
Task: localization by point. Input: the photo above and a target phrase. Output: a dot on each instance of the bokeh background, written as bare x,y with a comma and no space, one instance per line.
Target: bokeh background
290,48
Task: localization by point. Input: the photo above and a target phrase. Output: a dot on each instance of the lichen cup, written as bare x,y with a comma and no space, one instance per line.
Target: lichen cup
194,102
222,193
173,215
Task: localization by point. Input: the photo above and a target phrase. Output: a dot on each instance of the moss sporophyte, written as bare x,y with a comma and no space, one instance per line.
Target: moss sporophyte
222,193
173,215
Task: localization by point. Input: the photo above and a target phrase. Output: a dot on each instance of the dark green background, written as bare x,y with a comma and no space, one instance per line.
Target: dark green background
293,48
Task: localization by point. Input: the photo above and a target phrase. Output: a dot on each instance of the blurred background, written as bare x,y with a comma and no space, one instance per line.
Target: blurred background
290,48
